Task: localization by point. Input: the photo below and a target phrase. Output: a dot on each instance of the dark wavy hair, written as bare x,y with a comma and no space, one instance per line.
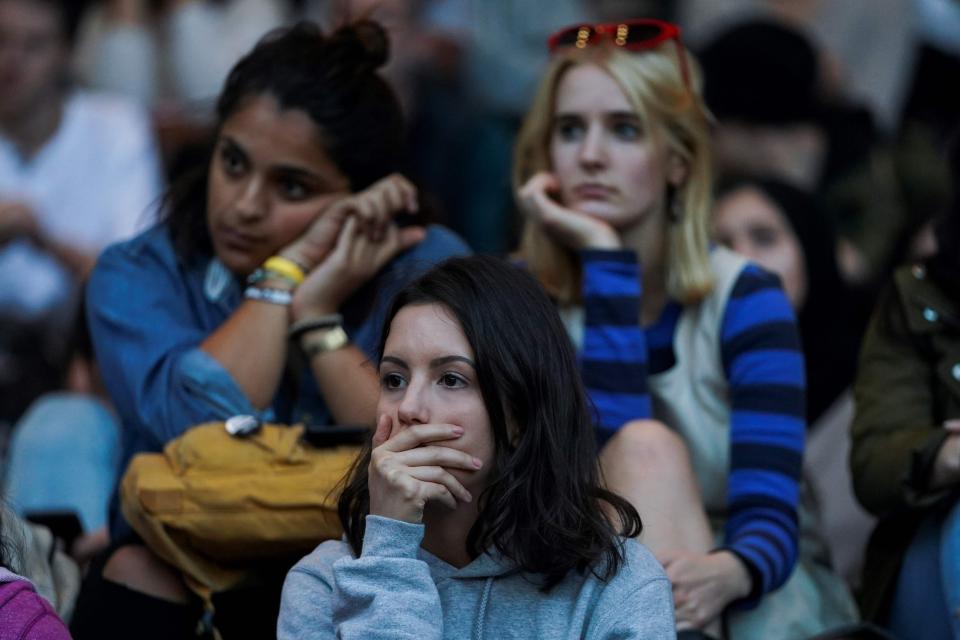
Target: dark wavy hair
334,79
542,508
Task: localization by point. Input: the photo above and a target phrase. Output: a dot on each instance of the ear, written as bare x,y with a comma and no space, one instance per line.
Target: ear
677,169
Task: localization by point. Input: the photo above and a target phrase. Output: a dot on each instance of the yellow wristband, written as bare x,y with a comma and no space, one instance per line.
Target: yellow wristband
286,268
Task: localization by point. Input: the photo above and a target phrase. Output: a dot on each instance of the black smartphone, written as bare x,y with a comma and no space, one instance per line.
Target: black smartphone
319,435
64,525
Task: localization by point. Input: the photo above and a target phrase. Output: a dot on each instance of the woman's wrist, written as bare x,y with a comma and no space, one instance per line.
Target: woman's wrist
323,340
279,296
301,310
385,536
295,254
606,239
738,581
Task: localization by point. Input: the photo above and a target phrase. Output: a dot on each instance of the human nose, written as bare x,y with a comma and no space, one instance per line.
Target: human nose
743,246
413,408
251,204
593,152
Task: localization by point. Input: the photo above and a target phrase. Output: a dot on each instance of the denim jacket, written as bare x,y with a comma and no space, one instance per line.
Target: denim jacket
148,313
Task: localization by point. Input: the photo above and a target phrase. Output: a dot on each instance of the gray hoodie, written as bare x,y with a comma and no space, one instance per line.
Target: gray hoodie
395,589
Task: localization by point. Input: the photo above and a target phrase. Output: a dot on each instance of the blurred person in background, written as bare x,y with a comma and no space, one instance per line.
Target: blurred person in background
784,230
64,453
905,457
171,54
172,57
77,172
934,99
470,121
776,117
763,84
867,46
26,610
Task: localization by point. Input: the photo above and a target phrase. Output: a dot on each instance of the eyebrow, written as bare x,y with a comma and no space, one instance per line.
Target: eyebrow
607,114
230,142
436,362
293,171
297,172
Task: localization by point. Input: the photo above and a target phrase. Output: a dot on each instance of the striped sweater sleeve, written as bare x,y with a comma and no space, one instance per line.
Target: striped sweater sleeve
614,358
764,366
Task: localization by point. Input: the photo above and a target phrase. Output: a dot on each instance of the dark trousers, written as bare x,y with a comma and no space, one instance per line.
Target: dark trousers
107,610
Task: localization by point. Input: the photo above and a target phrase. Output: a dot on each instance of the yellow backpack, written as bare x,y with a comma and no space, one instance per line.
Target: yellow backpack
214,505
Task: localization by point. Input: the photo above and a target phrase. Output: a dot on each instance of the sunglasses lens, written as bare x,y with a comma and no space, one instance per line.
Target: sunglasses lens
637,33
575,36
633,35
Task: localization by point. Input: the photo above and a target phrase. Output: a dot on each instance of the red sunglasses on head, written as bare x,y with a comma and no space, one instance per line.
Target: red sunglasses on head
634,35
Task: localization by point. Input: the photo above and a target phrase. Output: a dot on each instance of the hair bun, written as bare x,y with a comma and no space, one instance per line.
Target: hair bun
369,42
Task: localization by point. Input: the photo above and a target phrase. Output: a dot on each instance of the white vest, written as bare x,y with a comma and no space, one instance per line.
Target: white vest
692,397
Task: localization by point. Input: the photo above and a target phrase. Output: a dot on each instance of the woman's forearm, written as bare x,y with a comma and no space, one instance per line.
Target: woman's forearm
252,346
614,356
349,385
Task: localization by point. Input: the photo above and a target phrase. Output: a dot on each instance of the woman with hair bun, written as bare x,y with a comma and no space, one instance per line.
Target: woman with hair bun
260,291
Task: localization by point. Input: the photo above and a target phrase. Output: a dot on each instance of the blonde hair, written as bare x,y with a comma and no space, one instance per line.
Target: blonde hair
671,110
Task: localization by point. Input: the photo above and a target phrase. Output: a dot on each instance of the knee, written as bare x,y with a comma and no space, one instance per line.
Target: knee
648,444
138,568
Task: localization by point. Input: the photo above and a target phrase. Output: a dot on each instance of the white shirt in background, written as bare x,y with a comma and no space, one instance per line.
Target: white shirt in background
95,182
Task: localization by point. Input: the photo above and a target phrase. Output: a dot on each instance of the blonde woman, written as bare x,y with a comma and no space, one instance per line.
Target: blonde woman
690,354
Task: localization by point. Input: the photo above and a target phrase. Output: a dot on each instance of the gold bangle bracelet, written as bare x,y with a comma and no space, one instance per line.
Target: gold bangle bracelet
324,340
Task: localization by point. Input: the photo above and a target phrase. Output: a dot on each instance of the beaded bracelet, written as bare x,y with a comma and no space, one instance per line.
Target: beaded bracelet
265,294
262,274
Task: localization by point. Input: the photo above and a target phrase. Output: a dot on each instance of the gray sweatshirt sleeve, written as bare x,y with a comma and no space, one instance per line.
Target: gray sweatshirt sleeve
646,612
385,593
638,602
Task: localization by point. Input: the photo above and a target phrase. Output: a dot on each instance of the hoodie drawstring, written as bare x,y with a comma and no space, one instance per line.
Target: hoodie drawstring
482,614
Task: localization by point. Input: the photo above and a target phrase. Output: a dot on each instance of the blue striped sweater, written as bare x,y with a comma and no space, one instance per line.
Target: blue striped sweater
763,364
